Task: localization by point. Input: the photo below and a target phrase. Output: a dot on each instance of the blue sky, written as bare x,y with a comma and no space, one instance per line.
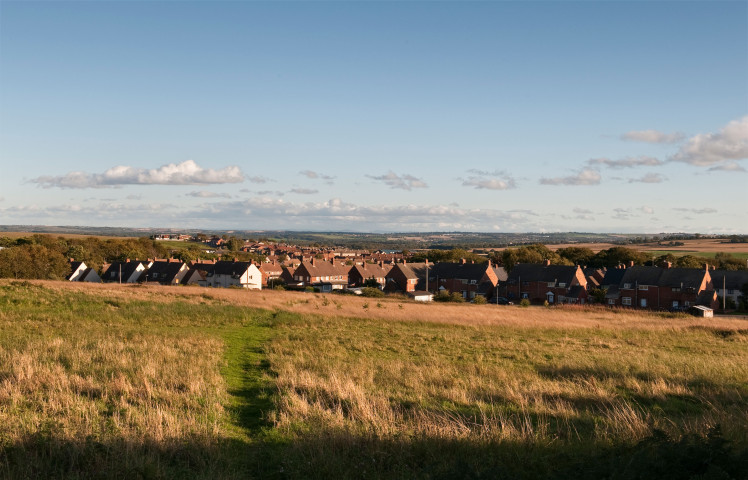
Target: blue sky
376,116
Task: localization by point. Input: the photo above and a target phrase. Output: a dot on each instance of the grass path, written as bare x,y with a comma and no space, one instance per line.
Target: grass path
248,381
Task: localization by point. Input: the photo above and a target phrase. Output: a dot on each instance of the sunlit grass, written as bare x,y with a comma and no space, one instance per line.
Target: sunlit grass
158,382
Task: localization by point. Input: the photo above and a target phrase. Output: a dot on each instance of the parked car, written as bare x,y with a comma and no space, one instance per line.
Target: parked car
502,301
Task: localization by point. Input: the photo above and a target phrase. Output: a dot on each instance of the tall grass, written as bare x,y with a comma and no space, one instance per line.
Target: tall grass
155,382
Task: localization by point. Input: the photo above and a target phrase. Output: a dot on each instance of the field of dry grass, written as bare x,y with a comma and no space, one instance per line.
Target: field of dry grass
694,247
109,381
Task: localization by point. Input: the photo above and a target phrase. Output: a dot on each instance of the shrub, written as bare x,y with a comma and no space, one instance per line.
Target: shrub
479,300
371,292
524,303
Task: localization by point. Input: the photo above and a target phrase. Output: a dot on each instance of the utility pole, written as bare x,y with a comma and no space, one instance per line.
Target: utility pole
724,292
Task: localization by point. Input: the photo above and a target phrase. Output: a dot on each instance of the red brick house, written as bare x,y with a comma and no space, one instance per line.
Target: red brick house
359,274
668,288
544,282
326,276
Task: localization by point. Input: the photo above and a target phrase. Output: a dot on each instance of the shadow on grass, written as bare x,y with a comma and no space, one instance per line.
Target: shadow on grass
339,455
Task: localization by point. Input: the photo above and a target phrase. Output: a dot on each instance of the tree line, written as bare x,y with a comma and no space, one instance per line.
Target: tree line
47,257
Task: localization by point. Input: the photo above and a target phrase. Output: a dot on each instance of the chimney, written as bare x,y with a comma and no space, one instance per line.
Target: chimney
404,262
313,264
381,263
72,259
547,263
631,263
489,263
234,259
127,260
668,265
463,261
706,267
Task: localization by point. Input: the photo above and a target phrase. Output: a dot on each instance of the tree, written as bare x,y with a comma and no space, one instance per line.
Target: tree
577,255
598,294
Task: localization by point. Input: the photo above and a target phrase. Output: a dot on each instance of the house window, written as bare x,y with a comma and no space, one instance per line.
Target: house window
686,304
473,282
626,301
464,294
562,284
643,287
675,303
525,295
626,285
611,301
551,284
676,289
643,302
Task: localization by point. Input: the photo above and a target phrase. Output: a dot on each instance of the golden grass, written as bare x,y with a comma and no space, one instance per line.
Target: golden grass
354,383
403,310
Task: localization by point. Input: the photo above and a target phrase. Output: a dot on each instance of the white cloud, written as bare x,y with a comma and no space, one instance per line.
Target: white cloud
582,211
698,211
628,162
729,144
648,178
652,136
304,191
185,173
500,180
259,179
206,194
586,176
315,175
728,167
647,210
404,182
489,183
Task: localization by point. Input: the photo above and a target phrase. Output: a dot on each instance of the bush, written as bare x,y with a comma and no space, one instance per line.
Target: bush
371,292
524,303
479,300
443,296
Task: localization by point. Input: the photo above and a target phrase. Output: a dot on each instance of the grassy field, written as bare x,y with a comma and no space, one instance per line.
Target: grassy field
157,382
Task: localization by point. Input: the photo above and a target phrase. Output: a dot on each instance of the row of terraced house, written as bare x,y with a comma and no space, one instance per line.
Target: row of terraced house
659,288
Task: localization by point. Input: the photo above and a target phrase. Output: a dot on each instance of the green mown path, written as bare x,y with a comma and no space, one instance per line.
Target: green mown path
250,388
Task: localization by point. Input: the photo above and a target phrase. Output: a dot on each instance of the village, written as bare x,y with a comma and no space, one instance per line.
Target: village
325,269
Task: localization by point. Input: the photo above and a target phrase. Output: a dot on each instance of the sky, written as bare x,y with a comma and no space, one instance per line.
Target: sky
620,116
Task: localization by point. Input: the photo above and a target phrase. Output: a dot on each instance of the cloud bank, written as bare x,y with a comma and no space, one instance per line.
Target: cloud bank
185,173
628,162
587,176
723,147
404,182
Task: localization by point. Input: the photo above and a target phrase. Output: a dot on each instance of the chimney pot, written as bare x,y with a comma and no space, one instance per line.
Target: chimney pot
547,263
463,261
631,263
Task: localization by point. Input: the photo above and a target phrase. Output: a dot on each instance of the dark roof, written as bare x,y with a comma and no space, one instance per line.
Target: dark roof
467,271
731,279
664,277
235,269
537,272
613,277
163,272
128,269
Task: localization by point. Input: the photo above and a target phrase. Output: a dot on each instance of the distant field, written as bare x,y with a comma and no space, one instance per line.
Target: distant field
108,381
690,247
63,235
680,253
